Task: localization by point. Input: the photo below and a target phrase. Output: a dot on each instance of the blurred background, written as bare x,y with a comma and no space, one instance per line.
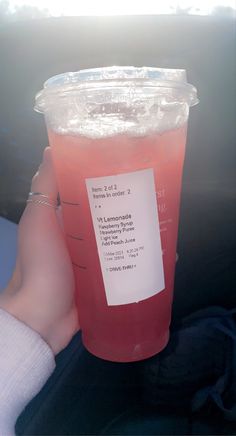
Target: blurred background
42,38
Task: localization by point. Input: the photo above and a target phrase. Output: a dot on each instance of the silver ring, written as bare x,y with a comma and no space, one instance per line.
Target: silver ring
45,203
41,198
40,194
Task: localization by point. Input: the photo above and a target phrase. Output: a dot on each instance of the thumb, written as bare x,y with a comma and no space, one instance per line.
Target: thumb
39,235
44,180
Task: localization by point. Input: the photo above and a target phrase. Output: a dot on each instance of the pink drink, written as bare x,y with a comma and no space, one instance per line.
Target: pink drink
118,142
129,331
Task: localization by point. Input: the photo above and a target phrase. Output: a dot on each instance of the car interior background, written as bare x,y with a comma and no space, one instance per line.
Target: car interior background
31,52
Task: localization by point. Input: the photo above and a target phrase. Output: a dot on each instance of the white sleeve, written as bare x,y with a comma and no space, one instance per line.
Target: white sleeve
26,362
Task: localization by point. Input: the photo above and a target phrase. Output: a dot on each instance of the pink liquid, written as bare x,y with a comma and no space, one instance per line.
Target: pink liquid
132,331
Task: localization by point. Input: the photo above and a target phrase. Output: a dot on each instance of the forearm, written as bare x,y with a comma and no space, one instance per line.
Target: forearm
26,362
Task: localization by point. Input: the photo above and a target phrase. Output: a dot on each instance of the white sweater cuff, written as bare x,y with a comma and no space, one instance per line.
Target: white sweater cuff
26,362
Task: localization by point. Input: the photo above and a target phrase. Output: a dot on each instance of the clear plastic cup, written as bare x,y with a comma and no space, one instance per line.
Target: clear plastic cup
118,139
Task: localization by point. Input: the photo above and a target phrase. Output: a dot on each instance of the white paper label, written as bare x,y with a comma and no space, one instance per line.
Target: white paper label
126,225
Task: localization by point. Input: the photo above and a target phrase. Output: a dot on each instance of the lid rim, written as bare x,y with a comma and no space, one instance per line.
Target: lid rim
116,72
59,90
61,85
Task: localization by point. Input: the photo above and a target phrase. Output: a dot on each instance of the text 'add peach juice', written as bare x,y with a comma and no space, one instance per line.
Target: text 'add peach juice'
118,141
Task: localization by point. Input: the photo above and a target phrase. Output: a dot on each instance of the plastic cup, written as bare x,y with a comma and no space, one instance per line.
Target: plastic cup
118,143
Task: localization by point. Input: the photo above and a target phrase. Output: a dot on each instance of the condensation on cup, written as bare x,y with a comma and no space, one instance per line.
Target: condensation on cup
118,138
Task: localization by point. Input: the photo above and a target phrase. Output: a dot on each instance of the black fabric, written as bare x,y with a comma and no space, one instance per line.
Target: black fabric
145,421
189,387
199,363
81,396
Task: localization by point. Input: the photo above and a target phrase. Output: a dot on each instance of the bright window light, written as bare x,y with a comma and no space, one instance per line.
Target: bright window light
124,7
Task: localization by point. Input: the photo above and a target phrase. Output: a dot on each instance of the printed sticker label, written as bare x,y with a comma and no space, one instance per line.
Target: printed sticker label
126,225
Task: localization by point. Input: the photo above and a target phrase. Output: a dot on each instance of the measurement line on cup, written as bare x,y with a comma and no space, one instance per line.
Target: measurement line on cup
75,237
70,203
79,266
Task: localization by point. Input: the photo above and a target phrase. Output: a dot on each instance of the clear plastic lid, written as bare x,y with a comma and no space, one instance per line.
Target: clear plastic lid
116,76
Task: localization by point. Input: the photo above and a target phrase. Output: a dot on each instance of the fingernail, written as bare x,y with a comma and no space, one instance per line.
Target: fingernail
47,155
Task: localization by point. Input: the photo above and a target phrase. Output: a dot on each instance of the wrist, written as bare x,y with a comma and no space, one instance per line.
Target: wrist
18,306
7,303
